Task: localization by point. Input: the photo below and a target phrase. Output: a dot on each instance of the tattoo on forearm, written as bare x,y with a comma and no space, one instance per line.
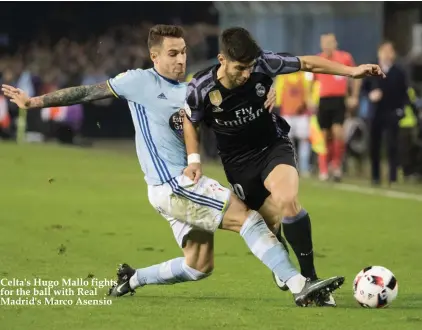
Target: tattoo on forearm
73,95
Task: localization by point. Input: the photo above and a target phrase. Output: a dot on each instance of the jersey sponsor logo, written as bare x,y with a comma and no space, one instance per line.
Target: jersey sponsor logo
243,116
176,122
260,90
215,98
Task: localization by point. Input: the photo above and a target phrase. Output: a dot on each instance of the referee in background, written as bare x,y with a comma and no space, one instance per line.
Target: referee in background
388,98
333,104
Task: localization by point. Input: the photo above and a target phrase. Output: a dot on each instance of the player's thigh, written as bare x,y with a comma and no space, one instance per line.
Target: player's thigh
283,182
248,194
271,213
198,250
200,205
281,178
236,215
247,184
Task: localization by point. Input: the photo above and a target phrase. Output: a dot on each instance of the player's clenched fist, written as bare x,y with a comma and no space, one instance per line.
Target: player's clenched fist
367,70
193,171
16,95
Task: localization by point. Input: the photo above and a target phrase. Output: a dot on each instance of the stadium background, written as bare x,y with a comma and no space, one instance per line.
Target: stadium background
80,43
44,30
76,212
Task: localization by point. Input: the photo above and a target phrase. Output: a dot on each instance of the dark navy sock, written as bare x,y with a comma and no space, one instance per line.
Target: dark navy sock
297,231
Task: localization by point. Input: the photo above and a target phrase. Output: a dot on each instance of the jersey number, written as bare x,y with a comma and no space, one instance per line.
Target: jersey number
238,190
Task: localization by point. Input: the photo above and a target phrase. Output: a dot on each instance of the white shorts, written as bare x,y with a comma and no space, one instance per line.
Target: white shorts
299,126
188,206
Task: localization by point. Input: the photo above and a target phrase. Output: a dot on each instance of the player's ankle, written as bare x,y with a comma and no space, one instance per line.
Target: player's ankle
134,282
296,283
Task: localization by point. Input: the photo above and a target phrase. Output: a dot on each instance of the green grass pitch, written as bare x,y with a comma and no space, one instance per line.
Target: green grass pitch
78,213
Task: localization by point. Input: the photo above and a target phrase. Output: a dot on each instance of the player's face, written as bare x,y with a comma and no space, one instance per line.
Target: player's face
237,73
170,58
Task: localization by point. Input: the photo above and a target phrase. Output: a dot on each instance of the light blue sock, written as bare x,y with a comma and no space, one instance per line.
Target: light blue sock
304,155
169,272
265,246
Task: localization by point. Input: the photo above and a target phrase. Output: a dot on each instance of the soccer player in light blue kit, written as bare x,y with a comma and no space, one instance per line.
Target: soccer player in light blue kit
194,210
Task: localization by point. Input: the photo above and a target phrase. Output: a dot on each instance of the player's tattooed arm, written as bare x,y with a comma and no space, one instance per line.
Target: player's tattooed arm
72,95
62,97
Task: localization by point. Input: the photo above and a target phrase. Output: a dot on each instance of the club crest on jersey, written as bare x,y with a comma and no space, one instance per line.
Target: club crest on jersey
215,98
260,90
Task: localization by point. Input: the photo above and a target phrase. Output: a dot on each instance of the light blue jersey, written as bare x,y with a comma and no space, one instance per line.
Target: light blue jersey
155,104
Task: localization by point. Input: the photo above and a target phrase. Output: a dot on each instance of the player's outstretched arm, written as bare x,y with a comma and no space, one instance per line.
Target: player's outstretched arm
274,64
62,97
317,64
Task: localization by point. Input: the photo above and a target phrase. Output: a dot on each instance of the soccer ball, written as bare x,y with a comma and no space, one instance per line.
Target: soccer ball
375,287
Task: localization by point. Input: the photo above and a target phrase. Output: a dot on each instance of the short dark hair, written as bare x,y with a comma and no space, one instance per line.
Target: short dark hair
158,32
238,45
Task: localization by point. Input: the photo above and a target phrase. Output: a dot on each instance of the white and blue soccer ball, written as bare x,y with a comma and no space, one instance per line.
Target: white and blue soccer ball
375,287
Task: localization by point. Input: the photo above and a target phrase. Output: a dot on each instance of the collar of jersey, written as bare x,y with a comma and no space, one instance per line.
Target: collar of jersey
220,85
171,81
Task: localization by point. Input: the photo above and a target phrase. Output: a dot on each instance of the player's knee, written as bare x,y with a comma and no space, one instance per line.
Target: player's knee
273,226
202,269
206,268
288,203
273,222
201,275
235,216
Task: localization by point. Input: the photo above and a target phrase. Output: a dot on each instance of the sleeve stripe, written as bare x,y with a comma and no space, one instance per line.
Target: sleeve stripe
112,90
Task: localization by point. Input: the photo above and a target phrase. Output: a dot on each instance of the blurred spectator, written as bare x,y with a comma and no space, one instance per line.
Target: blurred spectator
95,58
4,119
292,92
9,112
40,67
356,140
63,123
407,137
388,99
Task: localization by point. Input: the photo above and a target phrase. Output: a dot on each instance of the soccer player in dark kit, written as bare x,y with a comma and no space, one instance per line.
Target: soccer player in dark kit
258,158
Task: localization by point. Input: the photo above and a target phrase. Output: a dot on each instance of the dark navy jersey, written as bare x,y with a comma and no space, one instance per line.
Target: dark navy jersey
242,125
